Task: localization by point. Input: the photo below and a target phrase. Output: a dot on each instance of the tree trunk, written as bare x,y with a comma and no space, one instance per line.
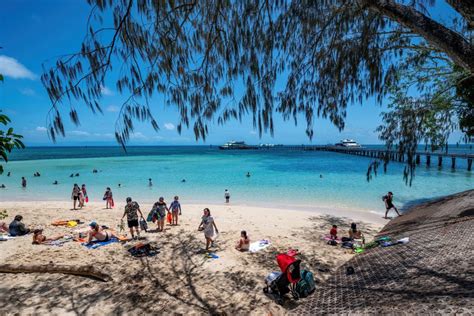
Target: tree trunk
453,44
88,271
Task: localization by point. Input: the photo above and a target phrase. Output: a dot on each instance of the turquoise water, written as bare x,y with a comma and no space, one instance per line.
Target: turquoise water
279,177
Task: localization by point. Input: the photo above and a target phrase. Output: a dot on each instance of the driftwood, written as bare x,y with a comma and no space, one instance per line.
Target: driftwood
86,271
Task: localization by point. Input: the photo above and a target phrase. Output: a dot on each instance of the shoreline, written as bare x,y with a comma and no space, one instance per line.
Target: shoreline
368,216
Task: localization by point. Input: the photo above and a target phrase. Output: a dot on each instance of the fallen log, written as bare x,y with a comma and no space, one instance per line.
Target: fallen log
86,271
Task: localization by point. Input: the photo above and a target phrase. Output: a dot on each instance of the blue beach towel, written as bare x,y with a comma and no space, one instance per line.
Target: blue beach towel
97,244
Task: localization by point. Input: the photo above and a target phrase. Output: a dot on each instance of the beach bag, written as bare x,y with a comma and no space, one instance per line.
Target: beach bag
143,250
143,224
347,244
332,242
87,199
151,216
306,284
169,218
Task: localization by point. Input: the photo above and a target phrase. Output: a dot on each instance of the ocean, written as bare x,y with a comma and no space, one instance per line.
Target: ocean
280,177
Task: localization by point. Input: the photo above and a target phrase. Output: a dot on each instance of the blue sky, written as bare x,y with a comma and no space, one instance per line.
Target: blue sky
37,31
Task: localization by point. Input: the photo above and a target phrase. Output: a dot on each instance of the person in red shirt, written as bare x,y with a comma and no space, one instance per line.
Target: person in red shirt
333,232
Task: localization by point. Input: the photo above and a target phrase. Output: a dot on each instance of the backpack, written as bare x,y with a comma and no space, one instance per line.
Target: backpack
143,224
332,242
306,284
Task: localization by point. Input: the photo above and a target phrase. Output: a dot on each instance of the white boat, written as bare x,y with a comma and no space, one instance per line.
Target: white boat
349,143
237,145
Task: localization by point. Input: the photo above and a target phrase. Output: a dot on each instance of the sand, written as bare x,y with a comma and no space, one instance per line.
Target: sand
179,280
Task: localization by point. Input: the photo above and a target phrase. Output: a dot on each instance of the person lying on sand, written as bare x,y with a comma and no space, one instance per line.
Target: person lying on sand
96,232
244,242
39,238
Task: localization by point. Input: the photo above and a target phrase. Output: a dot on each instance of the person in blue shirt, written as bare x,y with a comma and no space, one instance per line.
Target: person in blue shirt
175,208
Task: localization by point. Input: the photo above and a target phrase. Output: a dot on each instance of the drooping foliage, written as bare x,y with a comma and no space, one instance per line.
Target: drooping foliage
8,138
221,60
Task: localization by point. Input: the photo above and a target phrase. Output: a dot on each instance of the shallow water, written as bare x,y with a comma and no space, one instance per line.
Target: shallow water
279,177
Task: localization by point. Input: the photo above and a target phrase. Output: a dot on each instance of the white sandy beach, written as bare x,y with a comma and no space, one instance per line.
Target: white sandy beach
179,280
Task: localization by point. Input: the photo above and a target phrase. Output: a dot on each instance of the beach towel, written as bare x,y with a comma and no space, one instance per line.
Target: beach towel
259,245
5,237
66,222
211,255
328,238
59,242
98,244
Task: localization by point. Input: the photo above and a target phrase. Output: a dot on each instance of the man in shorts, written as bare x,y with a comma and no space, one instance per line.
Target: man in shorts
388,199
227,195
131,210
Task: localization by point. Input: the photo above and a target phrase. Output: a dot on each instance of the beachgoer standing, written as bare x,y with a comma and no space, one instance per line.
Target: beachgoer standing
108,198
75,195
388,199
23,182
227,195
207,226
149,182
131,211
333,232
84,193
161,209
175,208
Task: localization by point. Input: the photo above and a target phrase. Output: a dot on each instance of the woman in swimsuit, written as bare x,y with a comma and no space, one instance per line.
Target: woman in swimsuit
39,238
98,233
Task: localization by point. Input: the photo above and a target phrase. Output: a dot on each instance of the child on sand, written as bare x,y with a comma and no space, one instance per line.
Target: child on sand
333,232
175,208
108,198
244,242
84,194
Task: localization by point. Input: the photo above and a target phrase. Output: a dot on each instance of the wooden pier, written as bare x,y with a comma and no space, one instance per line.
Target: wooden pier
393,155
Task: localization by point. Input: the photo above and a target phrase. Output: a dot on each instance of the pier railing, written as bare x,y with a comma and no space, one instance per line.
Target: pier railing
392,155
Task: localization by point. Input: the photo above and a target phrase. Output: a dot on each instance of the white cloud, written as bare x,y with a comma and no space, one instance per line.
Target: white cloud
27,91
158,137
112,108
106,135
79,133
10,67
253,132
138,135
106,91
41,129
169,126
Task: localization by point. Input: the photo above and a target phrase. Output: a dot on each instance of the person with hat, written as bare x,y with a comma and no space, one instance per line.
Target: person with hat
132,209
99,233
388,199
